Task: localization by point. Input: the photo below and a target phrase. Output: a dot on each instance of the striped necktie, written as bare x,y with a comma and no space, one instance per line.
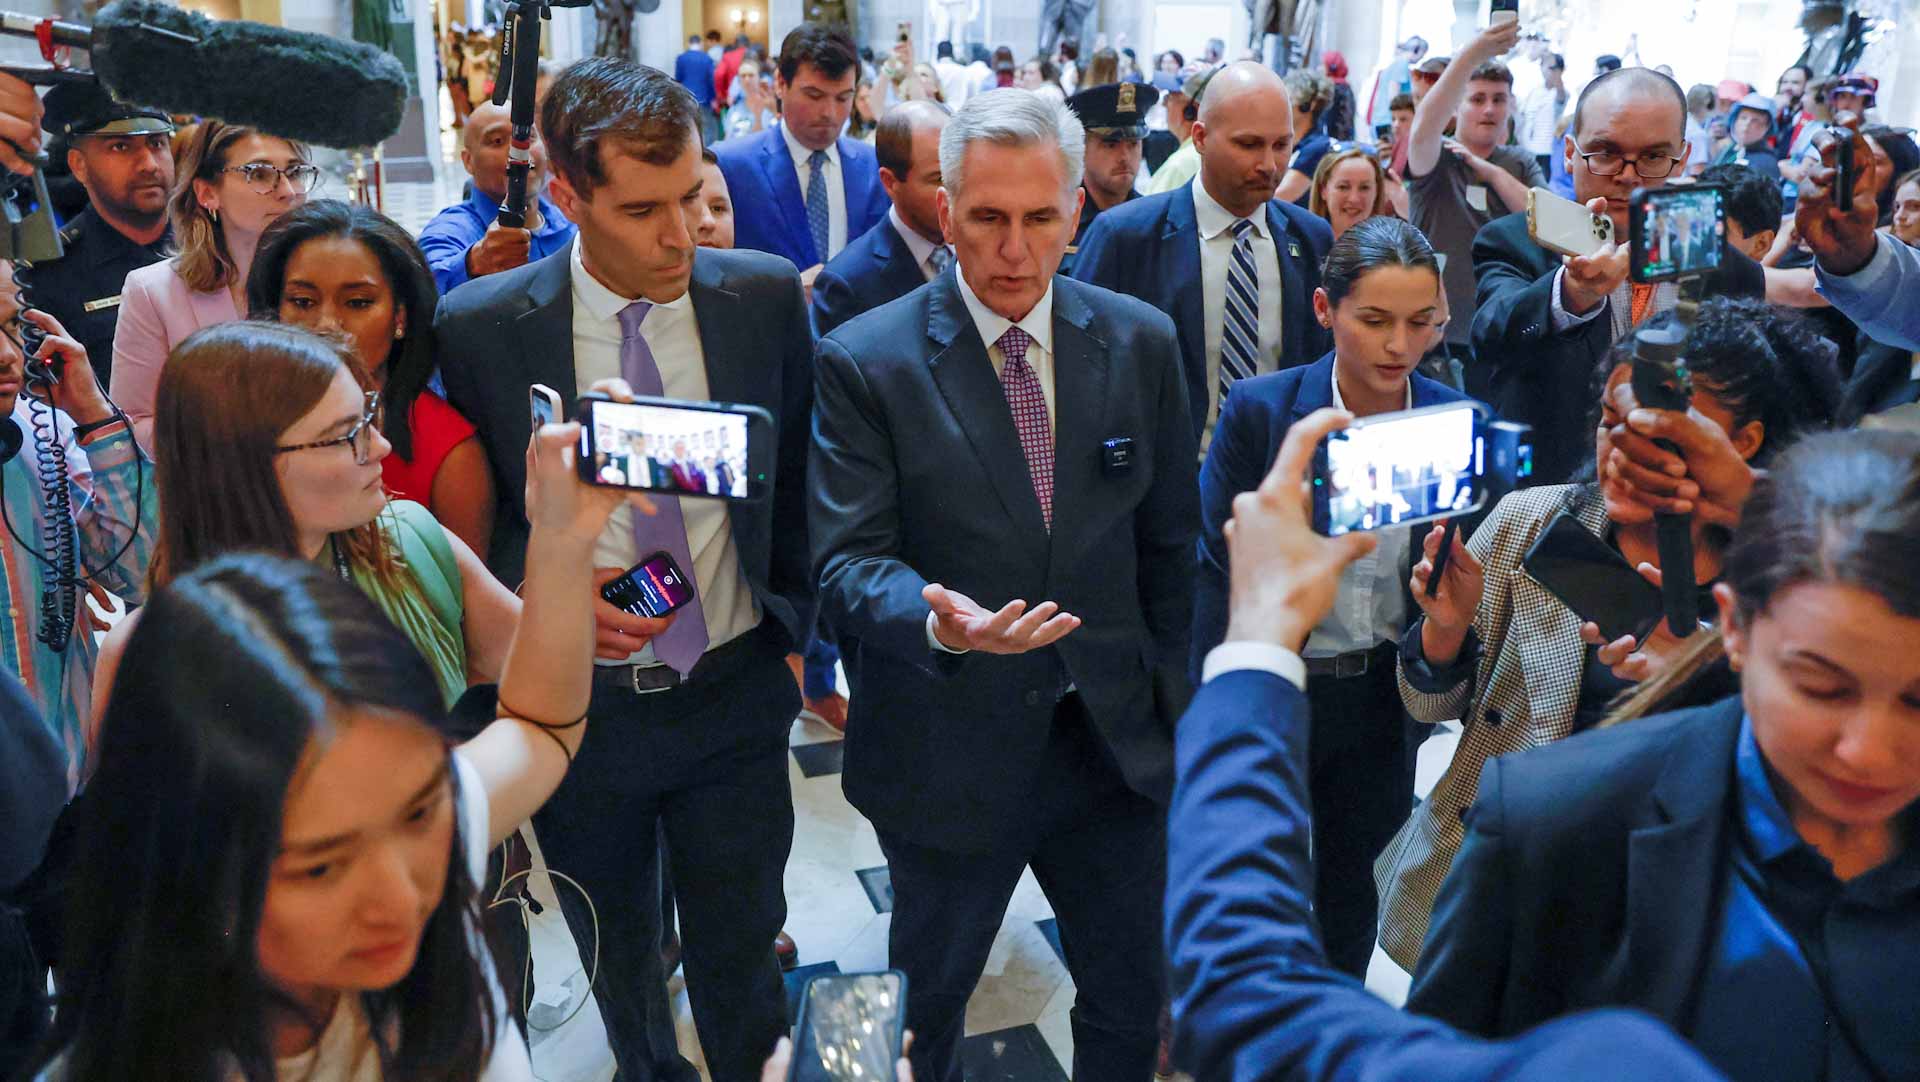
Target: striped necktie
1240,329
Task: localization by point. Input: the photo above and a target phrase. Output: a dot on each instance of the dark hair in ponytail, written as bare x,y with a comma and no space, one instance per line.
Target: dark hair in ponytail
1838,507
1371,244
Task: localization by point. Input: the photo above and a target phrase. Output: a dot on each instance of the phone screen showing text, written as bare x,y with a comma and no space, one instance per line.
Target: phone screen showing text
1400,470
655,588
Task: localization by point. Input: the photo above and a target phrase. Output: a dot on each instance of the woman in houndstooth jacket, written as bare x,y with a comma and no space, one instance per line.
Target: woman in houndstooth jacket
1515,665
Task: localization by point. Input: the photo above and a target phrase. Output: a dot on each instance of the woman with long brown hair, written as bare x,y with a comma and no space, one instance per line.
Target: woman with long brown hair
267,437
231,182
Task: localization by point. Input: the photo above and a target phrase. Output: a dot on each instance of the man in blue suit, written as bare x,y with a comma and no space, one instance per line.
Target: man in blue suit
693,69
800,189
1189,251
1024,438
907,249
1254,997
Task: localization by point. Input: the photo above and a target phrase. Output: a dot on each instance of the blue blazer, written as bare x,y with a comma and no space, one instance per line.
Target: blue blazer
1245,442
770,210
876,268
917,476
1254,997
1150,248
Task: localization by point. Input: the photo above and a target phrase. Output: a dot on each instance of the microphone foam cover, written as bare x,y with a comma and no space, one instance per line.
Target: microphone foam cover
295,85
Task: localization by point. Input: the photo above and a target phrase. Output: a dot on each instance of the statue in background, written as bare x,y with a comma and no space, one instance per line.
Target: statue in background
615,21
1062,19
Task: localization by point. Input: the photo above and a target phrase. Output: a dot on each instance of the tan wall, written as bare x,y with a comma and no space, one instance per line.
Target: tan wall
714,15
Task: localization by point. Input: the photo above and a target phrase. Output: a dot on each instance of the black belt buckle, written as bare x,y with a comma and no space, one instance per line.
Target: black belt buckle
639,679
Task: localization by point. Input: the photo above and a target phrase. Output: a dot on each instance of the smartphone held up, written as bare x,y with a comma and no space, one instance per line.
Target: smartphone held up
711,450
1399,469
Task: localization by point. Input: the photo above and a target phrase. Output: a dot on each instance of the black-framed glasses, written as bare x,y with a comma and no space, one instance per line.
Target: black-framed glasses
1605,163
264,177
360,437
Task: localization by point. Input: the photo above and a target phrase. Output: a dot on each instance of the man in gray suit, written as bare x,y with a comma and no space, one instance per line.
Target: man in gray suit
1012,436
690,713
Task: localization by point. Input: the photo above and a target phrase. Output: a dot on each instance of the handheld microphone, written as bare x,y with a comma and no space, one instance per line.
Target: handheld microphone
295,85
1661,382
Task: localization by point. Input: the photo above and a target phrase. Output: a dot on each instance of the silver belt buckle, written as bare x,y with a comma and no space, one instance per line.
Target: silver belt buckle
1347,666
633,680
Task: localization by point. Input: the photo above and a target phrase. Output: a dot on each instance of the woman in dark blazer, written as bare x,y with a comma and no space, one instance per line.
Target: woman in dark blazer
1750,871
1380,296
1497,651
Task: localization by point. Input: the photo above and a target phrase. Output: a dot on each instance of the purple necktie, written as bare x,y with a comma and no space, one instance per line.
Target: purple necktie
1029,407
682,643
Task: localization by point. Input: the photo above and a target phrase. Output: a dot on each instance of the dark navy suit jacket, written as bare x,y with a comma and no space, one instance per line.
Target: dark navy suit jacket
1254,997
1245,442
1150,248
917,476
770,210
870,271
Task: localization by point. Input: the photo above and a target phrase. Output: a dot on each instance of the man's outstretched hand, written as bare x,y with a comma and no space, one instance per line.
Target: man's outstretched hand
963,624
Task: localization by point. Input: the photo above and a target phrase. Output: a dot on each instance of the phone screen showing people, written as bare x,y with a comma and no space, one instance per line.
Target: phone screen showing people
1397,469
675,450
851,1027
1677,231
653,587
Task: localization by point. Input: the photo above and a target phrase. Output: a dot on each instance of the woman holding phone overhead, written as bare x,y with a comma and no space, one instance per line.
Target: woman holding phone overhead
1380,296
1519,668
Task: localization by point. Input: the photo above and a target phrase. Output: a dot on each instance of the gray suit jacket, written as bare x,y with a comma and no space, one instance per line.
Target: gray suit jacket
500,333
918,476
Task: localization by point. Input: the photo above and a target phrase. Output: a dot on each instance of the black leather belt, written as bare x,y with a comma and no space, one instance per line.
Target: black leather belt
716,664
1352,663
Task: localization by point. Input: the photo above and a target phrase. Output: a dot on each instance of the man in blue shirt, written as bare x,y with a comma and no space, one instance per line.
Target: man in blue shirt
693,69
465,241
1865,274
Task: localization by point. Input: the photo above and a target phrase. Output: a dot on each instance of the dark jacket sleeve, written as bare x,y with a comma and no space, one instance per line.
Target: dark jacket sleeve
1254,997
833,303
790,573
33,782
1232,467
1462,975
1096,259
1164,532
1513,314
866,590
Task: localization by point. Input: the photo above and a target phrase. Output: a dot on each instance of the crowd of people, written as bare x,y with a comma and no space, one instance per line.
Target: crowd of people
1048,350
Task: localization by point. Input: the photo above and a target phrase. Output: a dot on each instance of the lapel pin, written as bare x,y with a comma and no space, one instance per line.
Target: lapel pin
1293,248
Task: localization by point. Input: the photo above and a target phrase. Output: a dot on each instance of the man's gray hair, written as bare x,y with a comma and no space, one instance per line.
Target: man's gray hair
1012,117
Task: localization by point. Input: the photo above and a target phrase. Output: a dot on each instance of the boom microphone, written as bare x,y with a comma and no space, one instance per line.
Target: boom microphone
295,85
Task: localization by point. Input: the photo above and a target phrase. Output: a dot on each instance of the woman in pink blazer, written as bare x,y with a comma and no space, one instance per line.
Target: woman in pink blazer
232,182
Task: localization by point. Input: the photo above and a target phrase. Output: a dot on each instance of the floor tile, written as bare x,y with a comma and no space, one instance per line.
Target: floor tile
796,981
879,884
1019,1054
1051,929
818,760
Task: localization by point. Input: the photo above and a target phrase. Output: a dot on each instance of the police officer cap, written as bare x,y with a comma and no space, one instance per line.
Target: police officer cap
85,108
1115,111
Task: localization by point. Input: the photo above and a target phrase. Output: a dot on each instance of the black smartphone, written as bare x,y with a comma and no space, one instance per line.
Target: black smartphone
653,587
1382,132
1677,231
1593,580
716,450
851,1027
1849,171
1398,469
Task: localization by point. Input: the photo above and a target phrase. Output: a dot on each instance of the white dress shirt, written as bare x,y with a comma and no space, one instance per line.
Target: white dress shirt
921,247
836,190
1371,605
674,338
1216,252
1038,323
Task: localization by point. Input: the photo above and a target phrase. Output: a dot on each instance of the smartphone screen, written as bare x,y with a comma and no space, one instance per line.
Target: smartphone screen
679,449
1677,231
653,587
851,1027
1397,469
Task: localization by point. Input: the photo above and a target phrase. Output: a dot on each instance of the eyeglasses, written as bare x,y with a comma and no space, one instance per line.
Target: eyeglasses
1605,163
264,178
360,438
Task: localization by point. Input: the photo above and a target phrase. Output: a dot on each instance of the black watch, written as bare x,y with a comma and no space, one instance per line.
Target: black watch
81,432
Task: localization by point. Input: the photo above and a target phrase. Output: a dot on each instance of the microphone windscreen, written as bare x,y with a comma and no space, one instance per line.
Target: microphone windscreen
295,85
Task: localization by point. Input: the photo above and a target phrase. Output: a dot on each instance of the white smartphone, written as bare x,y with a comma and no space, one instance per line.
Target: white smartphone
543,403
1504,11
1564,226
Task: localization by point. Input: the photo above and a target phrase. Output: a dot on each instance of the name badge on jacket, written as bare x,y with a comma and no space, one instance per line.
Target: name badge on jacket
102,304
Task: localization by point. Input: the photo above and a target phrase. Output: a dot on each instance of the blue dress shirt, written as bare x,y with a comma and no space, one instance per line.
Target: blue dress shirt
447,237
1761,1012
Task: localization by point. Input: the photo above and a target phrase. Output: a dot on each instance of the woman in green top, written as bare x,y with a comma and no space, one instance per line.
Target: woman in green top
266,436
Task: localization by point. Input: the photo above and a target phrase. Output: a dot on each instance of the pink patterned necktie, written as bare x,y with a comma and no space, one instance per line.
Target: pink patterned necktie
1029,407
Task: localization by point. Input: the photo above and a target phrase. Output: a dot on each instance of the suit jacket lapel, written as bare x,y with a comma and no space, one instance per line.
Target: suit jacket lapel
859,175
1180,266
1673,866
783,182
964,374
1551,646
1294,305
897,262
716,315
545,328
1080,378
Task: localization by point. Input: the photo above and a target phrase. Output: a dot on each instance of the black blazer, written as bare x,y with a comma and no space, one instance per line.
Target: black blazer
918,476
1539,377
1882,379
500,333
1589,877
1150,248
876,268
